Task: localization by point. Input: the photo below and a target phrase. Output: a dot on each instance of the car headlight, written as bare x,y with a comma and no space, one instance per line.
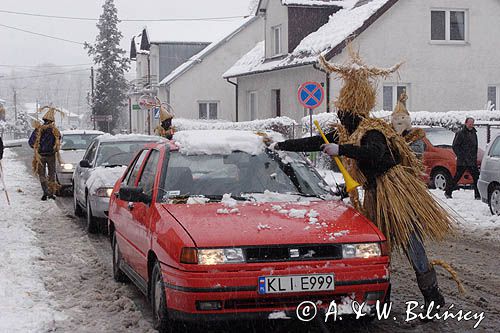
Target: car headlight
104,192
67,166
212,256
363,250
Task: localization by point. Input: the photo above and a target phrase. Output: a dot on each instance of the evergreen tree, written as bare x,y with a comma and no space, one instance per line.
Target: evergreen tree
110,85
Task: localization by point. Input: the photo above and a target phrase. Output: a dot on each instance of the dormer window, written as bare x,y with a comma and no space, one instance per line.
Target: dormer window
276,40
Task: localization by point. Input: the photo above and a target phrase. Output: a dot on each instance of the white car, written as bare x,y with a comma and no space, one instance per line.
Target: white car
489,179
104,162
73,146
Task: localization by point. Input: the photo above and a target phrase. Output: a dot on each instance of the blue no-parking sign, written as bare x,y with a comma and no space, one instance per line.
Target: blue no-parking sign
310,94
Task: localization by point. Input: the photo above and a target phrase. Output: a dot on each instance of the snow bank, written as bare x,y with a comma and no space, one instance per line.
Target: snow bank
25,304
220,142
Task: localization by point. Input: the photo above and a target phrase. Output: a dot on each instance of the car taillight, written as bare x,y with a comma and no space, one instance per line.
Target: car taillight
384,249
189,255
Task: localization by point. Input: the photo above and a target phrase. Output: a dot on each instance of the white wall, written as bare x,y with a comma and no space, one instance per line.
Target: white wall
276,14
442,77
204,82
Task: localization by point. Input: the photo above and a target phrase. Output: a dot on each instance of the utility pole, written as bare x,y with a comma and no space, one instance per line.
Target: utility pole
15,105
92,93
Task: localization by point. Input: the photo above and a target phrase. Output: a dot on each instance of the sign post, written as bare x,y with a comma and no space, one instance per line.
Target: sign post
310,96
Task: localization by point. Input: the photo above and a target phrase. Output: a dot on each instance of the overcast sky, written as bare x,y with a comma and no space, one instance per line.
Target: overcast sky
19,48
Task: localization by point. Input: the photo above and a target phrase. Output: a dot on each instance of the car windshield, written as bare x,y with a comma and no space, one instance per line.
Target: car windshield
242,175
76,141
118,153
440,137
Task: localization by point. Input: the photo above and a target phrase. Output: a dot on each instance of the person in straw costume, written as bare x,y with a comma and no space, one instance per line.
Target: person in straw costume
396,200
401,122
46,142
165,129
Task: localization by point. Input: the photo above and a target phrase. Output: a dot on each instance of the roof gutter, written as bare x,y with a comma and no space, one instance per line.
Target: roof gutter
236,96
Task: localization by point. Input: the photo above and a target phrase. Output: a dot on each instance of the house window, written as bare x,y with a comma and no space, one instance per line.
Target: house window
208,110
449,25
252,104
276,39
493,97
391,95
276,102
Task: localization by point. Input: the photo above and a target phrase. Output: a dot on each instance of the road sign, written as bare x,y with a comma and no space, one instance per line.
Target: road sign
311,94
156,112
147,102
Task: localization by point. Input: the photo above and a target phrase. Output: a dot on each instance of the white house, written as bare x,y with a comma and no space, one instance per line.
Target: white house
196,89
154,59
450,63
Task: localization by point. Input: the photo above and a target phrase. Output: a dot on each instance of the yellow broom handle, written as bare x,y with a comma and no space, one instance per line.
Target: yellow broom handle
350,183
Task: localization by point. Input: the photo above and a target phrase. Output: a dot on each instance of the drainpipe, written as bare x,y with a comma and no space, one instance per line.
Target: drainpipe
327,86
236,93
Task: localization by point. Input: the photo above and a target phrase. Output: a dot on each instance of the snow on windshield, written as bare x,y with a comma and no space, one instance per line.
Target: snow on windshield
439,136
224,142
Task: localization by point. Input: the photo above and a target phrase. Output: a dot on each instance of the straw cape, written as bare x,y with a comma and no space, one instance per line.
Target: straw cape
39,128
401,122
400,204
165,115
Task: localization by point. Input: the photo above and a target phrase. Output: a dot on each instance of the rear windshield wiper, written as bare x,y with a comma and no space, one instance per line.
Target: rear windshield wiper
307,195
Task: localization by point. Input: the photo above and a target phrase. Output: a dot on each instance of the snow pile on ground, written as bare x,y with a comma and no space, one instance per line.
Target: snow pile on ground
25,304
221,142
474,215
278,124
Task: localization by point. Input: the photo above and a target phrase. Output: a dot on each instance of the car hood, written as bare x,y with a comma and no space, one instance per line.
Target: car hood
247,224
104,177
71,156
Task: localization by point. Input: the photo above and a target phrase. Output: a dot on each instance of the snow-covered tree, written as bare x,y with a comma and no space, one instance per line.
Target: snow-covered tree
111,85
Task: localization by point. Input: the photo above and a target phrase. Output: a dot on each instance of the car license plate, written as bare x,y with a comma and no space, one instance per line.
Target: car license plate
295,283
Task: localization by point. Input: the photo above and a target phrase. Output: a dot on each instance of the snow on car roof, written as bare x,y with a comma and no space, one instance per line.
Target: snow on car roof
222,141
130,137
79,132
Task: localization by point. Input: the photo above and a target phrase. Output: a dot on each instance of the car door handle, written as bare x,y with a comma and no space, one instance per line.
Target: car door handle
130,205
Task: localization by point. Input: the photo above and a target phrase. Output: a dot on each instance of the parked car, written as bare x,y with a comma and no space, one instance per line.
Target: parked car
489,179
213,229
73,146
440,160
103,163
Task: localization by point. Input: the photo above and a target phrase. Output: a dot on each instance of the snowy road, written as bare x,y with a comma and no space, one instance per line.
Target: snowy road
64,283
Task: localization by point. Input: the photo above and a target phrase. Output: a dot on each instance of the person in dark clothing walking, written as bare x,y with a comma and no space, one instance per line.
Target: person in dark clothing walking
1,148
465,147
45,141
396,200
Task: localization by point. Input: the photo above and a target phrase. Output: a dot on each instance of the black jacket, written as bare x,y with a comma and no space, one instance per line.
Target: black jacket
1,148
373,155
465,147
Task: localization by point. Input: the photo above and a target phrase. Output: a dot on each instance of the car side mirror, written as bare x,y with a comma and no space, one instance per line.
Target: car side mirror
85,164
133,194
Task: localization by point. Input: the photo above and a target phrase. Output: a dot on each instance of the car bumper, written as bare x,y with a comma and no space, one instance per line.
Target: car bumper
100,206
237,292
65,178
482,186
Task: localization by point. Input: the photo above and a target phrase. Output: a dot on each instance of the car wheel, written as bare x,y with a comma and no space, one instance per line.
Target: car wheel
92,225
118,274
76,206
440,178
158,301
494,200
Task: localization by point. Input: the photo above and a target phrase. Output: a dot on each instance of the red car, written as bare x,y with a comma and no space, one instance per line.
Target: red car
200,253
439,159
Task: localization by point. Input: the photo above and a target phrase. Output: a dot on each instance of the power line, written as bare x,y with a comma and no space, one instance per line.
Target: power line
39,34
44,75
44,66
123,20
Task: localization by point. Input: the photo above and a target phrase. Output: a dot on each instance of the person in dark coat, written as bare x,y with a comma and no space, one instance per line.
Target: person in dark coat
46,141
465,147
1,148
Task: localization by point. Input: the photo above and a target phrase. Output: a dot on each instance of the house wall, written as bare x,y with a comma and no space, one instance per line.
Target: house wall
203,82
288,81
276,14
441,77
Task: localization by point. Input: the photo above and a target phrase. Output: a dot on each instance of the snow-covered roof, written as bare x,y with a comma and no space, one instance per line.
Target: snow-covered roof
130,137
31,109
205,52
318,3
81,131
347,22
221,141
